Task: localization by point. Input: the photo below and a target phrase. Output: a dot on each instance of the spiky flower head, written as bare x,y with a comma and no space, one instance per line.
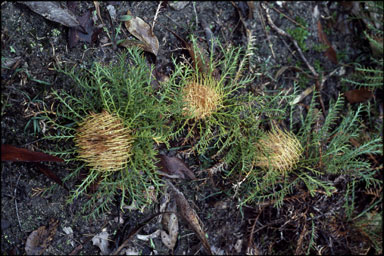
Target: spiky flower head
201,97
103,142
278,150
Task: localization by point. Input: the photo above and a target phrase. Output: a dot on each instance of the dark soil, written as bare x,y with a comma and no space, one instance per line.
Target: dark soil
41,44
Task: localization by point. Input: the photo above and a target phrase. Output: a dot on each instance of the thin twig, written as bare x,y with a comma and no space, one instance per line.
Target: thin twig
290,19
250,241
196,17
283,33
17,210
266,32
156,14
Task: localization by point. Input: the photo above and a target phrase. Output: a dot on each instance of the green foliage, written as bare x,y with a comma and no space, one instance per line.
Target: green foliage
327,151
300,34
222,132
125,90
371,76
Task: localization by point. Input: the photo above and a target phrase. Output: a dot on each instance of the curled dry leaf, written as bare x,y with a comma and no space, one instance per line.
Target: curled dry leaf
90,33
127,43
170,223
101,241
53,11
142,31
189,215
39,239
169,239
358,95
173,167
150,236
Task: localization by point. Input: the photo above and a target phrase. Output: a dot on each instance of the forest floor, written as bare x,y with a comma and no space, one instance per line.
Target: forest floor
32,45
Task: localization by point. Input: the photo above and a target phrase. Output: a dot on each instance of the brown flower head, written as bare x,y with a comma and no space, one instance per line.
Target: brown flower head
103,142
278,150
201,97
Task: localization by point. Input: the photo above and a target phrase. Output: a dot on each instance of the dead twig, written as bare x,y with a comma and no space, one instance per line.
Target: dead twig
156,14
283,33
266,32
289,18
17,210
134,231
250,241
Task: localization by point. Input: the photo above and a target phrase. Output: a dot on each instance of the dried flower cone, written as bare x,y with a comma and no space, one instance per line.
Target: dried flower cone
201,98
278,150
103,142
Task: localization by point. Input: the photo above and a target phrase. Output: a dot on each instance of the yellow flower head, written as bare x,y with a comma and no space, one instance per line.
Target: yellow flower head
103,142
201,97
278,150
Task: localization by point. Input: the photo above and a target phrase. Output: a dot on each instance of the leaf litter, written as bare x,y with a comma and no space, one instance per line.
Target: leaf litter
142,31
38,241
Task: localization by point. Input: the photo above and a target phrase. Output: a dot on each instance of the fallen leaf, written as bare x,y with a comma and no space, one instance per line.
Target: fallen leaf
330,52
169,238
173,167
53,11
358,95
97,7
88,34
112,12
148,237
11,153
302,95
39,239
189,215
142,31
127,43
101,241
133,232
170,224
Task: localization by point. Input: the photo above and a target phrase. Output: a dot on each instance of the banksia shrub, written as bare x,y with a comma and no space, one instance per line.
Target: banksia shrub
103,142
115,144
278,150
210,106
286,163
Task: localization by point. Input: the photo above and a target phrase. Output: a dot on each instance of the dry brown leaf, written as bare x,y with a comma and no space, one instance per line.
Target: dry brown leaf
358,95
189,215
53,11
330,52
142,31
127,43
39,239
169,222
173,167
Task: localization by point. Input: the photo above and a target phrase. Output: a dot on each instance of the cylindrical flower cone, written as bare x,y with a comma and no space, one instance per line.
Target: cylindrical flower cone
103,142
201,97
278,150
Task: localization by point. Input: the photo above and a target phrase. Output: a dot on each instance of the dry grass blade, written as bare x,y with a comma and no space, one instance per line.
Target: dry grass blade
190,216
